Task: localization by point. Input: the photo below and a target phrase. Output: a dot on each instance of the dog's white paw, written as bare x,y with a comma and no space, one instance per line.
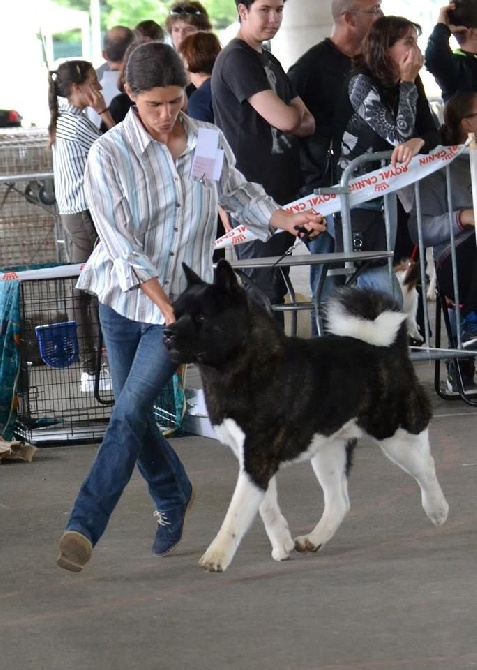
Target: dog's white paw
413,332
416,336
305,543
437,510
217,558
282,551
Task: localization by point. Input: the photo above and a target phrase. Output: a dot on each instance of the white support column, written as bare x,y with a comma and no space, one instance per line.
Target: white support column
305,22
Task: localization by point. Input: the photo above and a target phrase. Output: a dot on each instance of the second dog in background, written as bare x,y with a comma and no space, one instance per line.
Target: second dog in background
407,273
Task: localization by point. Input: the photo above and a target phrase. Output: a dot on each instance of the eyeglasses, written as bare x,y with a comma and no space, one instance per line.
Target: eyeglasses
376,11
185,9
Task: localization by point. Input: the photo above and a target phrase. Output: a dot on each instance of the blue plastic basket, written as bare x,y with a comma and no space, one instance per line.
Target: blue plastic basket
58,343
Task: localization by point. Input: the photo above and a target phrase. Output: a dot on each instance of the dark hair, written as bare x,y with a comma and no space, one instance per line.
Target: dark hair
455,110
248,3
192,12
122,72
200,51
148,29
60,84
464,14
154,64
383,34
115,43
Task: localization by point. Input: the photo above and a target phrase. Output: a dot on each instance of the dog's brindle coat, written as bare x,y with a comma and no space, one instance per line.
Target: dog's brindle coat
276,400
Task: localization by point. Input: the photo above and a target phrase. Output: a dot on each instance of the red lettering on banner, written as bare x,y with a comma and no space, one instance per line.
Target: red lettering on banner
393,172
9,276
425,160
382,187
239,239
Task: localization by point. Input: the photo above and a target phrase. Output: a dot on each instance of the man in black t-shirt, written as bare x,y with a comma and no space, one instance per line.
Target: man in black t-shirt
318,76
261,116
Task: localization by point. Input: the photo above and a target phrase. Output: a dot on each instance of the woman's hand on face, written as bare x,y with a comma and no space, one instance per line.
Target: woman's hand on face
95,99
404,152
410,64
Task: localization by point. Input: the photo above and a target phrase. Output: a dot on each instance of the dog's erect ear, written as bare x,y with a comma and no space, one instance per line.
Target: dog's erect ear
191,276
225,276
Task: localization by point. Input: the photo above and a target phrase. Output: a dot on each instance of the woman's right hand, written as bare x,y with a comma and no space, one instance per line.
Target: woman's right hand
410,64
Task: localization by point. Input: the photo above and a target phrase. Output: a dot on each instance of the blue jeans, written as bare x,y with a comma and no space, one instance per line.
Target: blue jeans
140,367
323,244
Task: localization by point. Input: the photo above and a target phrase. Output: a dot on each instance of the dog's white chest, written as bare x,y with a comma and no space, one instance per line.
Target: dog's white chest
230,434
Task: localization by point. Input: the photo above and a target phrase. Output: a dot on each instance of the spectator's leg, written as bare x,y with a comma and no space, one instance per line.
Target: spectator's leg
81,236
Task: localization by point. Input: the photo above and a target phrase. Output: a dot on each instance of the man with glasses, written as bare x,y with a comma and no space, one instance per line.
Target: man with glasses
184,19
318,76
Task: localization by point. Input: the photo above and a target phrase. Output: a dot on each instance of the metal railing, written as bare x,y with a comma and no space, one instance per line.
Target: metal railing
425,352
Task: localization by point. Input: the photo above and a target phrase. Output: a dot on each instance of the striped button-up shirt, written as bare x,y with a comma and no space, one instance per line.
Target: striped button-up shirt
151,215
75,134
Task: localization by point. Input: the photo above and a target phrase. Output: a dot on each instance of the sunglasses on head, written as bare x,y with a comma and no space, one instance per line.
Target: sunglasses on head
185,9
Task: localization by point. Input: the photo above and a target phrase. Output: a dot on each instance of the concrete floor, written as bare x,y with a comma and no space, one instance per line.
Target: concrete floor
390,591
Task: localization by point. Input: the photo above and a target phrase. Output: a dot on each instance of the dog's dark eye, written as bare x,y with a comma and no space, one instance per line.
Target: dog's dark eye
199,319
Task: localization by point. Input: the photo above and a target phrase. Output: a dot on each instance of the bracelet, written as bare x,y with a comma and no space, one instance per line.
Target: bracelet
102,111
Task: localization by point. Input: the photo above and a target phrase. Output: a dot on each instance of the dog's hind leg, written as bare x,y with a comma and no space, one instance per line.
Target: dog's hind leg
275,524
242,510
412,453
330,467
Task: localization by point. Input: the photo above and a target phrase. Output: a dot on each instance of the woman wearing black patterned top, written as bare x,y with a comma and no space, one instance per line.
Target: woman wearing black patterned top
383,107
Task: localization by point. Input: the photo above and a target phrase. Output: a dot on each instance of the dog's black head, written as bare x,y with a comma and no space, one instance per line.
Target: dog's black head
211,319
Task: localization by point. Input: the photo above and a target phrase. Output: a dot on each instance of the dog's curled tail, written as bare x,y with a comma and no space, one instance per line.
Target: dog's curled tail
365,314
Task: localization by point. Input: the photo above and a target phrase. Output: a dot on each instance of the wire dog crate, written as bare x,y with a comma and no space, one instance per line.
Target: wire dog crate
52,406
51,401
29,223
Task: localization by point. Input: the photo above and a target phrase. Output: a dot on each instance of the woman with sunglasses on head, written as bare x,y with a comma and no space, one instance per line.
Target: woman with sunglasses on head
184,19
383,106
460,119
152,216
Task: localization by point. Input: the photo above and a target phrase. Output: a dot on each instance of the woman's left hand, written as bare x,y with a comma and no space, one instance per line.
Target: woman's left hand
96,100
304,224
404,152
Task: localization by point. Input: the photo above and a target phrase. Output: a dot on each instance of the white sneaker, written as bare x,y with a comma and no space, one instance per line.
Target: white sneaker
87,381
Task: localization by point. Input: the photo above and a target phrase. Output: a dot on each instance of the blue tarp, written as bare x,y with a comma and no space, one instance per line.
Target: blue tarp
9,355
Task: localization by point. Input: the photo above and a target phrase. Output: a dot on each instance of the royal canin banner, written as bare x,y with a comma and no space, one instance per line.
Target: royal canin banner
362,189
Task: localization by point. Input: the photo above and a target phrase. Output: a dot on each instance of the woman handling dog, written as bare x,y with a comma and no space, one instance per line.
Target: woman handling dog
151,216
460,119
384,107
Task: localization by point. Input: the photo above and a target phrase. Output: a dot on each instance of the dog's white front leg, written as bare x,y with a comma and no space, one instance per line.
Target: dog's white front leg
275,524
242,510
